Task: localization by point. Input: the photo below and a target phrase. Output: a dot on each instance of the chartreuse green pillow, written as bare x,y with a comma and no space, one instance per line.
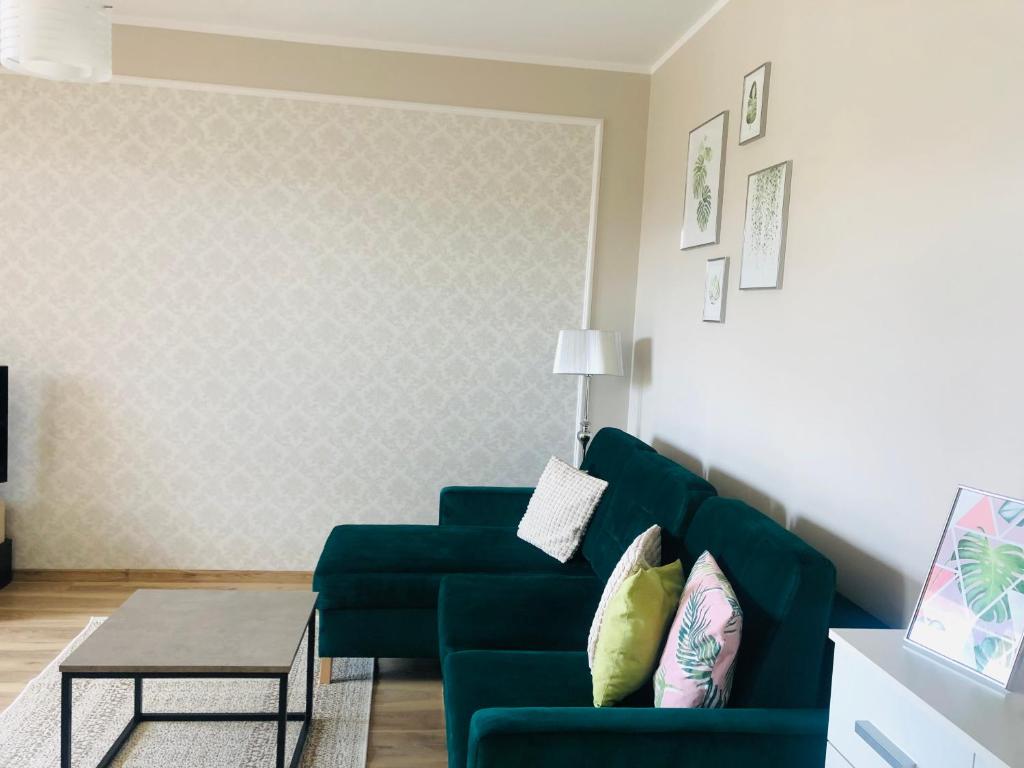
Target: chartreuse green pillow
633,629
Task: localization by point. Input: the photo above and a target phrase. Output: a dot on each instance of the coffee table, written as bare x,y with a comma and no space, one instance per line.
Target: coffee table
167,633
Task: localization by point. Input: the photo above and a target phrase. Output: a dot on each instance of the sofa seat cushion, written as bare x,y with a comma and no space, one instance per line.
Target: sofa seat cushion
404,633
475,680
401,566
519,611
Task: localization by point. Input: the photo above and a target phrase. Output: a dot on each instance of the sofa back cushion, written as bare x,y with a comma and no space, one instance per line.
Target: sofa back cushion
609,451
646,489
785,589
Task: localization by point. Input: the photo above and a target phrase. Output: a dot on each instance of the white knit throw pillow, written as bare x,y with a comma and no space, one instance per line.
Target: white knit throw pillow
644,552
560,508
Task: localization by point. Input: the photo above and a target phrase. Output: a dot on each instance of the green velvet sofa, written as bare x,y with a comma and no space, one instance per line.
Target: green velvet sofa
510,623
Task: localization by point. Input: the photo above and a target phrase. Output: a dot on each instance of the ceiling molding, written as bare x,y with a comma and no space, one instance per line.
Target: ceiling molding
363,101
376,45
688,34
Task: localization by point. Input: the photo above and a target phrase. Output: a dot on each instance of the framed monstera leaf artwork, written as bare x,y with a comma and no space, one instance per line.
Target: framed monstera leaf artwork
971,610
754,104
705,169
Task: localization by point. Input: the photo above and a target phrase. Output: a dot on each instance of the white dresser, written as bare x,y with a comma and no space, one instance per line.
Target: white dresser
894,708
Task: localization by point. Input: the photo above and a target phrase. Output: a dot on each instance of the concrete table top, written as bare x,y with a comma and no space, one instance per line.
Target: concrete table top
197,631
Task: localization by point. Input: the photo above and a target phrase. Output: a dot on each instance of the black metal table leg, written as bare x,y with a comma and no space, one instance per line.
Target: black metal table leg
282,718
310,653
307,715
65,721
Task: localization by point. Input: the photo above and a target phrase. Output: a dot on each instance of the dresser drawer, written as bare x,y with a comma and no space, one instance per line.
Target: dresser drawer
875,723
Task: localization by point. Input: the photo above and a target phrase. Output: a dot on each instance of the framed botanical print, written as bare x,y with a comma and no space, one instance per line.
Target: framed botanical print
764,228
716,282
705,170
971,609
754,106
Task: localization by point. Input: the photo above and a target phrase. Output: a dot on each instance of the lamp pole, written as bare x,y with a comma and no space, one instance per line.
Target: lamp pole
584,434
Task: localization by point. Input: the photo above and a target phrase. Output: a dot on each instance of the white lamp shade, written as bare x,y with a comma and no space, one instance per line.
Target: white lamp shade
591,353
65,40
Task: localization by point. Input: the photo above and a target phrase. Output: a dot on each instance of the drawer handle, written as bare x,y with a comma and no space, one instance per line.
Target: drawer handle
879,742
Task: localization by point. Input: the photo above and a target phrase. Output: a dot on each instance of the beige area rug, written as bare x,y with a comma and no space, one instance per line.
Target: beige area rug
30,726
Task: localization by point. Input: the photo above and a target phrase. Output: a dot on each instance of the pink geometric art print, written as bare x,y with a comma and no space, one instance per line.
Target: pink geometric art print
971,609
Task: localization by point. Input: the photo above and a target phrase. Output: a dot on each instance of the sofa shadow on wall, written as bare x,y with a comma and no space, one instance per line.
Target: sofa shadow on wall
726,484
734,487
893,595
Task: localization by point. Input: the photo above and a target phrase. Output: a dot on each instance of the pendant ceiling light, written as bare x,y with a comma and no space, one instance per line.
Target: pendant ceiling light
56,39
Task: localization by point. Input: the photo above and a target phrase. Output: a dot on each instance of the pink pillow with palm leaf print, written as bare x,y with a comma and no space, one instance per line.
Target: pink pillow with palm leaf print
699,659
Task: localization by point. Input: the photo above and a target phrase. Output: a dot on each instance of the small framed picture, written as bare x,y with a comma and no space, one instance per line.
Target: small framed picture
705,169
716,283
764,229
754,106
971,610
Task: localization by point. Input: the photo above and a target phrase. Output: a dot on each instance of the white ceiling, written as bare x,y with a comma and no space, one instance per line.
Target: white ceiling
631,35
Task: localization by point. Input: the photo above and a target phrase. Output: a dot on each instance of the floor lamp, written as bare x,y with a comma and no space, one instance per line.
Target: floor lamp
588,353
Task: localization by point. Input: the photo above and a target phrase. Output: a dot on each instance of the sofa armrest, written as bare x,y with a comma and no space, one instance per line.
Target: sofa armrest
680,738
483,505
516,612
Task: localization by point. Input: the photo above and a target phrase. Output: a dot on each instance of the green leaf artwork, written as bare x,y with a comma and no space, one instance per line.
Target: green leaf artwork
751,115
763,232
988,649
700,172
701,190
715,289
704,209
987,573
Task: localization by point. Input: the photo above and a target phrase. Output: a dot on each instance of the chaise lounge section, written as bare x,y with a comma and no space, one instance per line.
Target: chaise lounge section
379,584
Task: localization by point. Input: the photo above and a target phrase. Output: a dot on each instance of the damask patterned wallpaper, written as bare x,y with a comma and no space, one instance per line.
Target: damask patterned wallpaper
234,321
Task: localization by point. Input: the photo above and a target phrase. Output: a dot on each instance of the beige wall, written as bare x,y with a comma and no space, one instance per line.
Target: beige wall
620,99
888,369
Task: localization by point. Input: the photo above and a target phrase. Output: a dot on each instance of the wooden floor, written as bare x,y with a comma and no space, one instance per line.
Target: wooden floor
41,613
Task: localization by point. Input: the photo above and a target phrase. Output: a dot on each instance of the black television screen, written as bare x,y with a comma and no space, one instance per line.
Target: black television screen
3,423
